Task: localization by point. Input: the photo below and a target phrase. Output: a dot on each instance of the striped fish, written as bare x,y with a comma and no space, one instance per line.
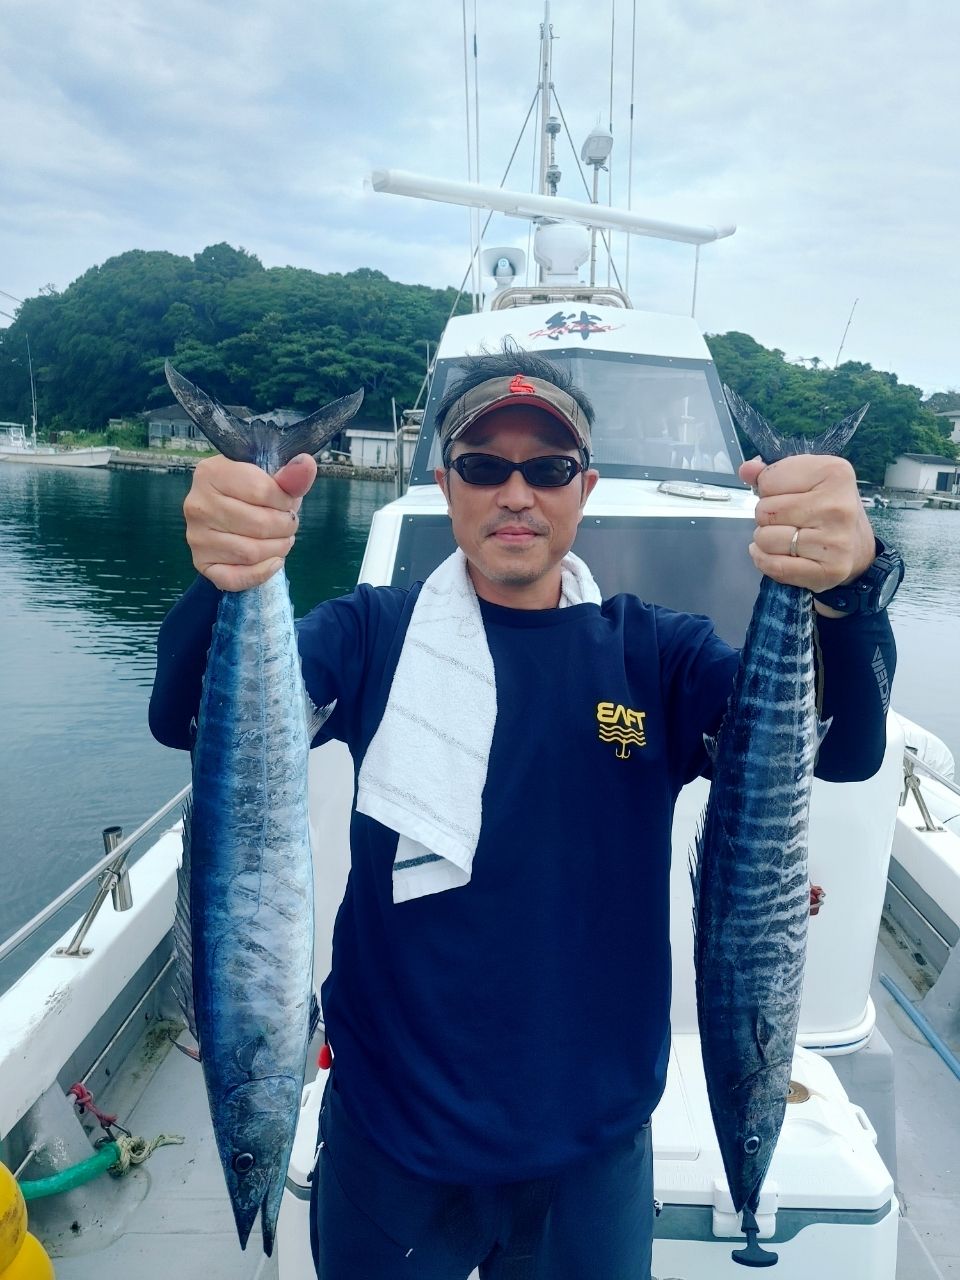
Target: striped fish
244,925
751,893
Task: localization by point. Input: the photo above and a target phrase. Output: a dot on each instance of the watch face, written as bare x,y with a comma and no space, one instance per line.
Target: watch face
889,588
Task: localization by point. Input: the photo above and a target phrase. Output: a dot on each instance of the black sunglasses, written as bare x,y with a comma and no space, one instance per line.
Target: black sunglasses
552,471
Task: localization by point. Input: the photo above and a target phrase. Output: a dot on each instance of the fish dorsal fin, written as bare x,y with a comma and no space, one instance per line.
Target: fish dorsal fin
772,446
316,1014
258,440
182,939
694,863
317,717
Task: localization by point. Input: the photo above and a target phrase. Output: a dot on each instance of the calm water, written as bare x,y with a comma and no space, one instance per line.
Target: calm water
90,561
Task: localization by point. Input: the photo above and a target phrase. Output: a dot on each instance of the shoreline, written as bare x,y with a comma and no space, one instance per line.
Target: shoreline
166,461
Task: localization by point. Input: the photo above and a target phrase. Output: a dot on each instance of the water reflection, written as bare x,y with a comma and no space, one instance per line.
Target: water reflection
108,546
90,562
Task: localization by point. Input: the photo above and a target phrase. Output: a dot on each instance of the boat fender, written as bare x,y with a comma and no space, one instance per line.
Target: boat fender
22,1256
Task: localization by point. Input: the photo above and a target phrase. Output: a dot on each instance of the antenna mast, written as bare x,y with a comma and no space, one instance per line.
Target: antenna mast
845,332
33,394
546,92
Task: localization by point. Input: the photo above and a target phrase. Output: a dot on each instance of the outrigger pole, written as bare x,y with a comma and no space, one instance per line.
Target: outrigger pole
522,204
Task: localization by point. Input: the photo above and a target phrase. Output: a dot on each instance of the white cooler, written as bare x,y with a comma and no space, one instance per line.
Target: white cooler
827,1208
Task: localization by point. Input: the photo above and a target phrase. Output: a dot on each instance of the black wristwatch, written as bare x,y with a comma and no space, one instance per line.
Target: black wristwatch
873,590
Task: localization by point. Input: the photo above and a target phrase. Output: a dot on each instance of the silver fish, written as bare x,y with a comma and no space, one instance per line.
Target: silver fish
244,926
749,868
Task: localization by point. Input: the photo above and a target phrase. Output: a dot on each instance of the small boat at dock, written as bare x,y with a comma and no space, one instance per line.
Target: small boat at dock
16,446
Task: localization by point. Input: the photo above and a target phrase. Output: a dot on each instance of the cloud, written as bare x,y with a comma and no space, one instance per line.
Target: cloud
826,132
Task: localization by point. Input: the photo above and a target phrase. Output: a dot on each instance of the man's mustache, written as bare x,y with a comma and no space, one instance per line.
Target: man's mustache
515,522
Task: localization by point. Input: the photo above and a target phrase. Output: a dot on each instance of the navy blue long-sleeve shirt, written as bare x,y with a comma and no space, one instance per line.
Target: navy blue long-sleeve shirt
508,1028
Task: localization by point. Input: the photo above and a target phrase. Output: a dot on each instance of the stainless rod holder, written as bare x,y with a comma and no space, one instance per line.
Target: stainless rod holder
50,910
114,879
911,787
120,889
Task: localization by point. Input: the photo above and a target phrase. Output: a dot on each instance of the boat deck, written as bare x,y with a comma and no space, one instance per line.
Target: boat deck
179,1222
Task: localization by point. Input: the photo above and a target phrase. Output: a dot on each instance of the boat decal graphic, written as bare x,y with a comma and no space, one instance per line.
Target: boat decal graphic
560,324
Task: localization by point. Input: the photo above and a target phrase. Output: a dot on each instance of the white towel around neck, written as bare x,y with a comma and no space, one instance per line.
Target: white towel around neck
425,769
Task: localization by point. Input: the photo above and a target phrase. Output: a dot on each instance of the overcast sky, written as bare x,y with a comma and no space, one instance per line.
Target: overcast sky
827,131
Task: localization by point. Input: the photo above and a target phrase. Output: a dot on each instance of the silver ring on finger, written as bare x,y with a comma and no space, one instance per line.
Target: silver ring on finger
793,542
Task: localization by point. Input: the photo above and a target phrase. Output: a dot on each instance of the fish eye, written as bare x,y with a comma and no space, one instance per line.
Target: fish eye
243,1162
752,1145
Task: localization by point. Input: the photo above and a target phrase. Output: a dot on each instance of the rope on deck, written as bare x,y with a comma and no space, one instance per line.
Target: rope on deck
132,1151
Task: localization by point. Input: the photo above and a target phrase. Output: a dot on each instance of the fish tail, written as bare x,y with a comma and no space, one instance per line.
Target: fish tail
772,446
258,440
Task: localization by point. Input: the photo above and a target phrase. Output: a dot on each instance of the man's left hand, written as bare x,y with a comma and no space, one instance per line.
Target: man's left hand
812,530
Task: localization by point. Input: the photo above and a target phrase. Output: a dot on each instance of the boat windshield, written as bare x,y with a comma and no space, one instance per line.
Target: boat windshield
12,435
657,418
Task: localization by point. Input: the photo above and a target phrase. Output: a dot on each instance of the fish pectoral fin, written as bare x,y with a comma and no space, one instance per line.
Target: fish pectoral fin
823,728
710,745
764,1030
254,1057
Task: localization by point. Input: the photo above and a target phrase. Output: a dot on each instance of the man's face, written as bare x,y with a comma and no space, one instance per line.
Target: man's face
514,535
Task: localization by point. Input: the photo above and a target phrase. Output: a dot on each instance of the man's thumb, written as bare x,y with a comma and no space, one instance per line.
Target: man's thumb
298,475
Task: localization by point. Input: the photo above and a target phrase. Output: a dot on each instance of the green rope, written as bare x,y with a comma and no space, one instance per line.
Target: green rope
114,1157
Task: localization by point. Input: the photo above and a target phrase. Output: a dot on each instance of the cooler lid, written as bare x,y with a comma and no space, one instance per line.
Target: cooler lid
826,1158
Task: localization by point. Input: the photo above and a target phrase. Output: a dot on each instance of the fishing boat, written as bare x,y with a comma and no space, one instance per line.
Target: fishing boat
874,1113
904,502
16,446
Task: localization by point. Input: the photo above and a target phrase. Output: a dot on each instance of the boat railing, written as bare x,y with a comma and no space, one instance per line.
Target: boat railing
911,786
113,878
584,295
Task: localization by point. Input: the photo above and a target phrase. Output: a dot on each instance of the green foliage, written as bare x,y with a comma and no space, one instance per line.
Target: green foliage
278,338
292,338
943,401
799,400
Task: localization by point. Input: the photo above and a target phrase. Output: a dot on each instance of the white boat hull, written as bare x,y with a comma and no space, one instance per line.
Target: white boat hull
96,456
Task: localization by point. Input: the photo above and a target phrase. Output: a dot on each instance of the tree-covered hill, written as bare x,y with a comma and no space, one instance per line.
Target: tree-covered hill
285,337
799,399
277,337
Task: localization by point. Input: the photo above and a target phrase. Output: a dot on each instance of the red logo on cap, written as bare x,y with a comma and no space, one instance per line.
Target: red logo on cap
520,388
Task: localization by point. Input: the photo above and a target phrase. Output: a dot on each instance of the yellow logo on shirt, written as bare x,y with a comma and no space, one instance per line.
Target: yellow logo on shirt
621,725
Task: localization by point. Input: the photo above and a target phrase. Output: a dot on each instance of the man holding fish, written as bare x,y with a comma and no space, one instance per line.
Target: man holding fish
498,1006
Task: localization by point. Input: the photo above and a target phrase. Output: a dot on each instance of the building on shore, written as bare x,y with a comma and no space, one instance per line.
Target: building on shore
169,427
923,473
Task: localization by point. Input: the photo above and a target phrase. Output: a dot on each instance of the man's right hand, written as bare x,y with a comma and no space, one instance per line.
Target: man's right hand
241,522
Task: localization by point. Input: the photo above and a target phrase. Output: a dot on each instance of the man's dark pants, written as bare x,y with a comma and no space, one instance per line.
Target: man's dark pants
371,1220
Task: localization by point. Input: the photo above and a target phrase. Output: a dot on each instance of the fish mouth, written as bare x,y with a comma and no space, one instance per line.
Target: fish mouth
245,1215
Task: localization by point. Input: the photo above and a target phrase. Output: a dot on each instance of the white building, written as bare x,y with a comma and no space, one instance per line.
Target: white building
370,447
953,417
923,473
